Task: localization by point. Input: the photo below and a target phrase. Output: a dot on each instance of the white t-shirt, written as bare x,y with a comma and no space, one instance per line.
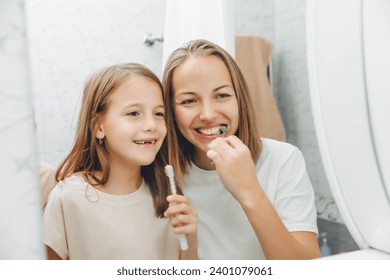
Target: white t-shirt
81,222
224,231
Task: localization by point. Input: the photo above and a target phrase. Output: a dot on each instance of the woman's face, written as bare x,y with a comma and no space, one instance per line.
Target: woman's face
205,104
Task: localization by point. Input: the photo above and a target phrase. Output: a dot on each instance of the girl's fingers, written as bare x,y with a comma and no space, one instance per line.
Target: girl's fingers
184,224
178,204
175,209
186,229
181,220
175,198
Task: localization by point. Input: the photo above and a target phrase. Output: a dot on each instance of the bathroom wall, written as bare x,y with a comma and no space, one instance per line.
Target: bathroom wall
68,40
20,238
291,89
283,23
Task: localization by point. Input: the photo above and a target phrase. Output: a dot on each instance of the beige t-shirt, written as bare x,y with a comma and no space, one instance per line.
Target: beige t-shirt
47,181
81,222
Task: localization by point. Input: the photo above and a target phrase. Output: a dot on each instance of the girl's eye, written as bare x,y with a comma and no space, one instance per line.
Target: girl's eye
160,114
133,114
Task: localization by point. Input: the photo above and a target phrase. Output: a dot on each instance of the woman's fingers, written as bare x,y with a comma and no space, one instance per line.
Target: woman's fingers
229,150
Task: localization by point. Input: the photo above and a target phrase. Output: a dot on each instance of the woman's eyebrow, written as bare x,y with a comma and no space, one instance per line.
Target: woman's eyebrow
185,93
223,86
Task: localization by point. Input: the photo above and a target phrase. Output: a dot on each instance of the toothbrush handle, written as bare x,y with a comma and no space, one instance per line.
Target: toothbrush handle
183,242
182,237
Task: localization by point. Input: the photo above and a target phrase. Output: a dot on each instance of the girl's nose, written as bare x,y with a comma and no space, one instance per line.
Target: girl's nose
150,123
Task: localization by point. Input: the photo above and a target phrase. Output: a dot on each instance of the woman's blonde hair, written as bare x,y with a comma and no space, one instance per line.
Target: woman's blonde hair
180,150
88,155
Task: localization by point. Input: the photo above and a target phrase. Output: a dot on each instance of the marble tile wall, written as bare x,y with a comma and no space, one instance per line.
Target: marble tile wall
20,237
255,17
283,23
68,41
291,89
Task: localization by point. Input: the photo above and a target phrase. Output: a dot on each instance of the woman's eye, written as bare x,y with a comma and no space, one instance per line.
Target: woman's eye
187,101
223,95
133,114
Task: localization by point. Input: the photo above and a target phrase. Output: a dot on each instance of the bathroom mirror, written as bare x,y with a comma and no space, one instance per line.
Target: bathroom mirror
69,40
349,89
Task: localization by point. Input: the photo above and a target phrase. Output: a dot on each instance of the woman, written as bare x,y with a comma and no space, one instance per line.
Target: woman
253,195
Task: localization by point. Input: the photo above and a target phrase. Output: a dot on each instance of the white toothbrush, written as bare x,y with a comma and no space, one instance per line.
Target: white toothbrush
170,174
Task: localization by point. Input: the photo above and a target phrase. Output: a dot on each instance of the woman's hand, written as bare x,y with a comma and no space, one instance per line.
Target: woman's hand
235,167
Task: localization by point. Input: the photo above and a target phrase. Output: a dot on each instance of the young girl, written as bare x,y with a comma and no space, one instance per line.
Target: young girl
253,195
112,192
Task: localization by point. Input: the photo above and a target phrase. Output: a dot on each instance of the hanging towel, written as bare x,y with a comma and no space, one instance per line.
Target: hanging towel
198,19
252,56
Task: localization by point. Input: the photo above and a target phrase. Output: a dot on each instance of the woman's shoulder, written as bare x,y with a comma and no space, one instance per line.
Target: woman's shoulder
276,152
277,146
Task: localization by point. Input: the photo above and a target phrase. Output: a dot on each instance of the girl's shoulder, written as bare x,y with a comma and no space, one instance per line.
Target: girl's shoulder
75,180
69,186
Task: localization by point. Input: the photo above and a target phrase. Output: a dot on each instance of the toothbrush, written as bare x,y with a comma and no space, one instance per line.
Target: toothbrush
223,130
170,174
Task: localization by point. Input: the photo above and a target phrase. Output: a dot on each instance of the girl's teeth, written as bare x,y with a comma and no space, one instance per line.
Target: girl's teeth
145,142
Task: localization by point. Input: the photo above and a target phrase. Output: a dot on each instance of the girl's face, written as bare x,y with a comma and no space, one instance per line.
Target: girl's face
133,125
205,104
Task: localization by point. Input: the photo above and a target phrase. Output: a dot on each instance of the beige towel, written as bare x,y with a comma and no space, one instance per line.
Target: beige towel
47,181
252,56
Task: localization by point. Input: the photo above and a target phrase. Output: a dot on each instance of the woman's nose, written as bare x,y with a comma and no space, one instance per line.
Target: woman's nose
208,112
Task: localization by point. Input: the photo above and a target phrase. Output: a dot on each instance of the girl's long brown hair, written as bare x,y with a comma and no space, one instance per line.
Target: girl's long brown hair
180,149
88,156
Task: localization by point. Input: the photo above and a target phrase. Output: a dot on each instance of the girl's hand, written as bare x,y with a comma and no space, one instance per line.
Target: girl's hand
235,167
183,218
